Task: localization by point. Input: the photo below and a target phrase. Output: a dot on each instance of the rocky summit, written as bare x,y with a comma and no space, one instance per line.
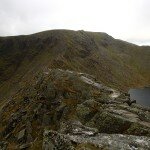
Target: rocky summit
69,110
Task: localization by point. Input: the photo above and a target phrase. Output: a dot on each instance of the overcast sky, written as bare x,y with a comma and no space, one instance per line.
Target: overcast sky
124,19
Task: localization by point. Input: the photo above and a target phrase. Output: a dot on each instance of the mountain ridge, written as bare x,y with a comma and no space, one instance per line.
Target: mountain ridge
66,90
97,53
68,110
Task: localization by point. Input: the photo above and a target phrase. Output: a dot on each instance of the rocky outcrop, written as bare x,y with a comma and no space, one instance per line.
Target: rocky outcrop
63,110
76,128
54,140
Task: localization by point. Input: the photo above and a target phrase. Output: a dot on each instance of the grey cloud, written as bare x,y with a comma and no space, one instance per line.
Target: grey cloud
30,16
24,17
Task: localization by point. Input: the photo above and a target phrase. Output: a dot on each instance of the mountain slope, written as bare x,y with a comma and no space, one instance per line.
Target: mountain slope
68,110
116,63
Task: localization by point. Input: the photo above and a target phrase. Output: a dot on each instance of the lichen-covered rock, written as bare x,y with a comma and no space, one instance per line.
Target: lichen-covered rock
110,123
114,141
54,141
77,128
138,129
84,113
87,110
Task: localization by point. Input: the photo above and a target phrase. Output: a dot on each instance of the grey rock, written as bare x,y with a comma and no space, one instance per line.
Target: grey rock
114,141
21,135
92,103
77,128
111,123
87,110
54,141
24,146
3,145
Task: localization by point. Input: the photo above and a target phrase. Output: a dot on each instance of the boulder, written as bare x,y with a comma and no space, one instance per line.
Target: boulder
87,110
110,123
52,141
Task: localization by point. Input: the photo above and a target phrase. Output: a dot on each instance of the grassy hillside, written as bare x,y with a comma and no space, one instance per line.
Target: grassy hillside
114,62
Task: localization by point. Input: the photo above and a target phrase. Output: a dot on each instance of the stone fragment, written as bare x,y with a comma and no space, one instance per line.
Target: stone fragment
21,135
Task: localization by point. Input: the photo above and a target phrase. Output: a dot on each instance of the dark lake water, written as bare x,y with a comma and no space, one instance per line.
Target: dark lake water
142,96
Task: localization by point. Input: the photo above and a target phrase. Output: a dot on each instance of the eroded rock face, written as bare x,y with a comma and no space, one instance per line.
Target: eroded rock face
53,140
63,109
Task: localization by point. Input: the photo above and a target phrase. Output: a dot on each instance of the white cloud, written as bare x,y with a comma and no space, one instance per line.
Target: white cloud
124,19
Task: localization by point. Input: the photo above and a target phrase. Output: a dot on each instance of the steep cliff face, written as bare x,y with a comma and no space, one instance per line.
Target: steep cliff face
69,110
114,62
